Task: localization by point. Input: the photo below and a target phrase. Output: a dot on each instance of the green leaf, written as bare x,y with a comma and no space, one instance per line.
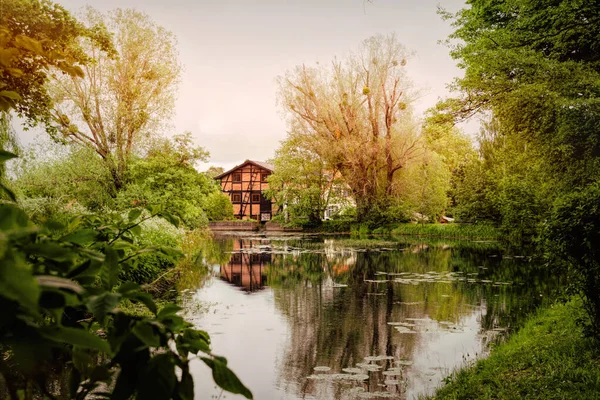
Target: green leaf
9,193
168,311
134,214
80,237
159,379
7,56
10,95
75,337
17,282
12,217
144,298
225,378
58,283
185,388
193,341
16,72
127,287
109,273
146,334
103,304
50,251
173,220
30,44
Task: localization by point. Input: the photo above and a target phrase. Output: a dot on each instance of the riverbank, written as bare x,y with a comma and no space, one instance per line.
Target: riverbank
547,359
436,230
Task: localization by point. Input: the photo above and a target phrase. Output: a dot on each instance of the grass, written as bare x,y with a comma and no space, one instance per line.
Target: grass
449,231
454,231
547,359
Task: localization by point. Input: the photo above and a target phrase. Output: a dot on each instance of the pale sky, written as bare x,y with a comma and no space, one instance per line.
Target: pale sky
232,51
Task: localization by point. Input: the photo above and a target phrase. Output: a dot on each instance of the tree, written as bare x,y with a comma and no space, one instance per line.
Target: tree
301,185
213,171
125,97
37,37
355,116
535,67
166,175
63,176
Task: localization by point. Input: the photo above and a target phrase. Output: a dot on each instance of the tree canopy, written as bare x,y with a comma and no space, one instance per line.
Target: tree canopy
125,97
355,116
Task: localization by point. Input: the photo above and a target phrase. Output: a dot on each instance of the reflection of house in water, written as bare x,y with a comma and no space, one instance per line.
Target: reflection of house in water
247,266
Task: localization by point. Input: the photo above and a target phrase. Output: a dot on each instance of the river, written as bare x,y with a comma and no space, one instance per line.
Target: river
323,317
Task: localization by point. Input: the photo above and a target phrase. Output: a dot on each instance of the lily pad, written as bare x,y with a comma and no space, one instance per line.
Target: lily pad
378,358
404,329
369,367
339,377
353,370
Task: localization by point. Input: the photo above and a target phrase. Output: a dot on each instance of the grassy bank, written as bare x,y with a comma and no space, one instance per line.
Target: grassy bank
451,231
454,231
547,359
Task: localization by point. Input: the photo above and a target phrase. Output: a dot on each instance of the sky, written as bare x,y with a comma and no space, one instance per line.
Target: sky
233,50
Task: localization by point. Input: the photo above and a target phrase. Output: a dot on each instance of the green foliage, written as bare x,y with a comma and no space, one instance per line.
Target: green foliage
301,185
156,232
535,66
508,185
547,359
65,176
217,206
126,94
35,38
572,234
167,176
60,292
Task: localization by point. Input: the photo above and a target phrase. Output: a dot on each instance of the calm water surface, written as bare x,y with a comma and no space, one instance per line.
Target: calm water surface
343,318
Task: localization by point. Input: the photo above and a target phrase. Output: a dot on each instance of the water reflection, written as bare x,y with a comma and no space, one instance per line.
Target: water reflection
388,318
247,265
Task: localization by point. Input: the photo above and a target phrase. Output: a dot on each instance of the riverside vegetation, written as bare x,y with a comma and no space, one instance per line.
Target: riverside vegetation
99,220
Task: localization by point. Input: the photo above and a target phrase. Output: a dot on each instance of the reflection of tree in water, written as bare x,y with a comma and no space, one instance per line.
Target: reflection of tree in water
338,326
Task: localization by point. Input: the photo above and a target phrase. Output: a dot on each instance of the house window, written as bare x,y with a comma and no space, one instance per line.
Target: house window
255,198
237,177
236,198
264,177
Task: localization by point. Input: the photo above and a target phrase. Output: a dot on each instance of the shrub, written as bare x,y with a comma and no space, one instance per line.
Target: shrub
571,238
61,300
218,207
156,233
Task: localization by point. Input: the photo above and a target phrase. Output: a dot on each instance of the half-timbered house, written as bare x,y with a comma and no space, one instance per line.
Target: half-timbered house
244,184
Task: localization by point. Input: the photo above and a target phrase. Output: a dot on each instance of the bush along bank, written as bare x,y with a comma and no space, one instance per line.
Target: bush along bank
450,231
549,358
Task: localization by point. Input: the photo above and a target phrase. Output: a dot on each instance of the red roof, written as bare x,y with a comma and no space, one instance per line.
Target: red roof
260,164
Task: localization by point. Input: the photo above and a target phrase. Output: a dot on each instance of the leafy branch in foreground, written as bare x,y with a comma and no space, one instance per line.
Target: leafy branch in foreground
60,294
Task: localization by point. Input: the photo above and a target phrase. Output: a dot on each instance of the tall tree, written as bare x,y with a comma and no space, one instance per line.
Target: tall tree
535,65
124,97
355,116
301,185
